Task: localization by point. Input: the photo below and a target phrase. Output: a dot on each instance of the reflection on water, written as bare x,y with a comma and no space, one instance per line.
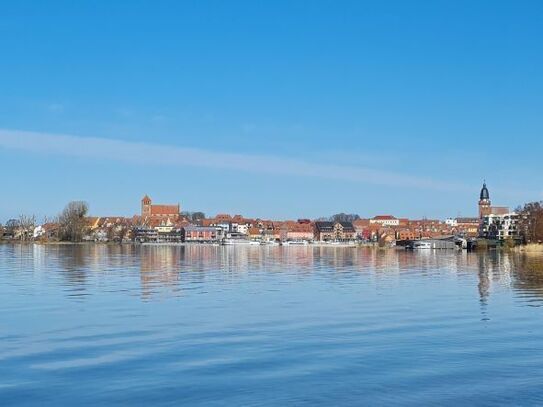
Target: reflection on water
202,324
529,275
161,266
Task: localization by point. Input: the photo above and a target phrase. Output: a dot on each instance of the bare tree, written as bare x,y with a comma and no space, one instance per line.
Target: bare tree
72,221
531,221
124,232
193,216
10,228
110,233
26,226
344,217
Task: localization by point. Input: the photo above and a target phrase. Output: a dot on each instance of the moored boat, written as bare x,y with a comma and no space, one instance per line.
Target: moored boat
295,243
422,245
237,242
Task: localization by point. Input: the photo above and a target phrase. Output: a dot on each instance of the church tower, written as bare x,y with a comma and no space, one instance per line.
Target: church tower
146,207
484,202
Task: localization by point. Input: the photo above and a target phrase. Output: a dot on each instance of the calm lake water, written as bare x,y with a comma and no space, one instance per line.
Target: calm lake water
203,325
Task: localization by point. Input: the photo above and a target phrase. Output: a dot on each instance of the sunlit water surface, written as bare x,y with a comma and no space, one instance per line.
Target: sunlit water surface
204,325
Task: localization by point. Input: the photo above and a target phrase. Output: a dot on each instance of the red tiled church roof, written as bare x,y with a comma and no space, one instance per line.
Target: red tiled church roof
164,209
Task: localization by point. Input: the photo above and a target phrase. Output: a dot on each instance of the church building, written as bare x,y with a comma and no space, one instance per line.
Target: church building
159,212
485,205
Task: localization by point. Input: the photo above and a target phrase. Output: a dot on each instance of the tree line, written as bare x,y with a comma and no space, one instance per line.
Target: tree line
531,222
340,217
71,224
193,216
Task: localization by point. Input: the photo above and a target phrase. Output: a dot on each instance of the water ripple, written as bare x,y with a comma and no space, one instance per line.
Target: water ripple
208,325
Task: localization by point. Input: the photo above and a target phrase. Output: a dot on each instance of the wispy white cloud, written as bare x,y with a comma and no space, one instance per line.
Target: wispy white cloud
157,154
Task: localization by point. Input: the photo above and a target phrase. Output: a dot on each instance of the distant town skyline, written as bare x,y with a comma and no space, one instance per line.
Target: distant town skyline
281,110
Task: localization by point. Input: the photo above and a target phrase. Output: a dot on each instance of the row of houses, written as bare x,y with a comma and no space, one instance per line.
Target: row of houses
380,228
122,229
385,228
388,228
166,223
267,230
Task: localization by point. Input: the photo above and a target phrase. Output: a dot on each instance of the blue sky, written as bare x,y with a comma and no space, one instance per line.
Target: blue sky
279,110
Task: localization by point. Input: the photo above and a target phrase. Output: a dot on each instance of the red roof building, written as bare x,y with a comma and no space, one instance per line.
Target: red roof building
150,211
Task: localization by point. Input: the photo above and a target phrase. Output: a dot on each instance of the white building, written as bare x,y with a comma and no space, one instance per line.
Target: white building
385,220
242,228
500,227
39,231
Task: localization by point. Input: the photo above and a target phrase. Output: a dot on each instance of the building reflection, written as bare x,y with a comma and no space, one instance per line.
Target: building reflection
529,275
171,270
175,266
159,269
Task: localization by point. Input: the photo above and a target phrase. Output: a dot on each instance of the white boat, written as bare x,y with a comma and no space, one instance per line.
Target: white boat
343,243
237,242
422,245
295,243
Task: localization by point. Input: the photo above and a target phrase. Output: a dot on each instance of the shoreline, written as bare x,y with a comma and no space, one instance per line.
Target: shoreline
529,249
61,243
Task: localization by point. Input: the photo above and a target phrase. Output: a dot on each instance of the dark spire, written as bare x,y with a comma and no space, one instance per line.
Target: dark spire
484,192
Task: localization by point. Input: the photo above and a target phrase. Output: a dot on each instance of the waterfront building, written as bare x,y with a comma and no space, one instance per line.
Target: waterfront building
334,231
385,236
165,226
324,231
108,228
222,222
164,233
407,234
500,226
242,228
255,233
429,228
241,224
362,228
271,230
468,227
231,224
202,234
144,234
296,231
